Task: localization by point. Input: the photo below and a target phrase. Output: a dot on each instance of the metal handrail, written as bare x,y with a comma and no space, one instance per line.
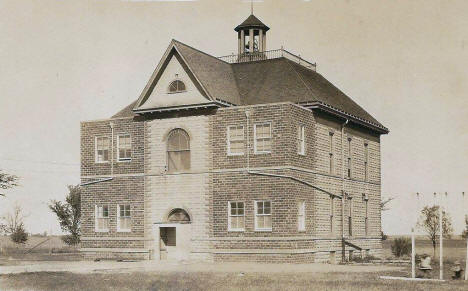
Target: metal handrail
267,55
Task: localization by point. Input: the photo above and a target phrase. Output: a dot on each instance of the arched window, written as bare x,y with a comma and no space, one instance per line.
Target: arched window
178,151
178,215
176,86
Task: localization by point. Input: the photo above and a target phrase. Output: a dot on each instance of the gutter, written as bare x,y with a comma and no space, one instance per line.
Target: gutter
340,113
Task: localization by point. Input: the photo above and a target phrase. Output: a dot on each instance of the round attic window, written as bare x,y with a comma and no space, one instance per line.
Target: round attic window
176,86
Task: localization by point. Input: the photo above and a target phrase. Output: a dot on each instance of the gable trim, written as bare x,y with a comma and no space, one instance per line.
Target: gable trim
151,83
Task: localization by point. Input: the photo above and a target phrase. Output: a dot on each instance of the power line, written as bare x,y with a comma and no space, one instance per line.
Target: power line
40,162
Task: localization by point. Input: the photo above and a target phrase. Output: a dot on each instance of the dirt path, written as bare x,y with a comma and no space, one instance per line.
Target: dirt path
86,267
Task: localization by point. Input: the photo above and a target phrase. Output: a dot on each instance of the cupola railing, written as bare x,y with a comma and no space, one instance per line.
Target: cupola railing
267,55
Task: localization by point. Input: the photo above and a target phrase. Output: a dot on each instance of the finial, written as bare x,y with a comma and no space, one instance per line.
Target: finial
251,7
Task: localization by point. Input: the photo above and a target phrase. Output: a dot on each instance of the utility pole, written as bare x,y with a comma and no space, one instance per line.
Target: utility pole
441,244
466,221
413,243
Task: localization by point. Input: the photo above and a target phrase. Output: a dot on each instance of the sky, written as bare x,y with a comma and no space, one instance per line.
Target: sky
405,62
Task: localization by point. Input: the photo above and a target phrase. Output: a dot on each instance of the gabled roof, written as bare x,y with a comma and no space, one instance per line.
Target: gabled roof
252,22
214,77
258,82
281,80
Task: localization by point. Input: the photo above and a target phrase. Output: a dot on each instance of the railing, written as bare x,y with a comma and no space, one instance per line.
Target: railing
267,55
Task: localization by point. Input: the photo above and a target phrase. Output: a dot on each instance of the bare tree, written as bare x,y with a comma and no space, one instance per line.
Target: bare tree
429,222
7,181
14,225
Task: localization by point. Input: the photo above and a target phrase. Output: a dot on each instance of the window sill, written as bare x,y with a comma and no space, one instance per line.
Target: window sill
235,154
105,162
101,230
124,160
262,153
236,230
263,229
124,230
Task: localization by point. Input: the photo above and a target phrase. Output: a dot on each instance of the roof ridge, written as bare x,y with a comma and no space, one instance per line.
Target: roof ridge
197,50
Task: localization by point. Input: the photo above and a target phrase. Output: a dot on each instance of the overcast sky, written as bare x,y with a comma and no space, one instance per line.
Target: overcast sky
406,62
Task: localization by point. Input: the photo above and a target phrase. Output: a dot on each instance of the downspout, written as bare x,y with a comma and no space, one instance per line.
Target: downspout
247,115
343,195
111,124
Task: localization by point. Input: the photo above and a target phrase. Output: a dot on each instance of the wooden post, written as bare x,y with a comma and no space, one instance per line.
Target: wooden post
441,243
466,220
466,262
413,255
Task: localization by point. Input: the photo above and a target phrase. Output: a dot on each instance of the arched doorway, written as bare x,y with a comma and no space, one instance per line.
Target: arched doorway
175,235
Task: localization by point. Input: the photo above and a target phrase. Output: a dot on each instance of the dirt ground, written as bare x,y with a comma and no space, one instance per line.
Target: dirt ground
225,277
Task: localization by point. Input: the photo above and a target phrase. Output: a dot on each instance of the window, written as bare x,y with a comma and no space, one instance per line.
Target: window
262,141
331,161
102,149
301,140
235,140
366,162
301,216
236,216
176,86
102,218
124,144
349,165
124,220
332,212
178,151
366,212
350,217
263,215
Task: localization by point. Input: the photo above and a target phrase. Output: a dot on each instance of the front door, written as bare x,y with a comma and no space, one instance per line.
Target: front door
175,242
168,242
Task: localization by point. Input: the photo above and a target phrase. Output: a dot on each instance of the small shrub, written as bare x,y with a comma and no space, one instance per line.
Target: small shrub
70,239
401,246
384,236
19,235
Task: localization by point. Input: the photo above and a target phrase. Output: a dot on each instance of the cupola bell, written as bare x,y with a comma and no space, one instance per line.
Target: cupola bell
251,35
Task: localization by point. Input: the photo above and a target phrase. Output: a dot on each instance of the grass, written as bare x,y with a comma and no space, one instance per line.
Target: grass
216,281
53,244
53,249
453,249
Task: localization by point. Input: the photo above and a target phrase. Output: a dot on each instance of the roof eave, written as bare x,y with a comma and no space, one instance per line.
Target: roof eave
340,113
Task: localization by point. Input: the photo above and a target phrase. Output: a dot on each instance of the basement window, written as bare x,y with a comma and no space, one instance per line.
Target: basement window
176,86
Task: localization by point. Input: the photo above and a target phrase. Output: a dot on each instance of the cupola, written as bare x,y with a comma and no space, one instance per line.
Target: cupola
251,35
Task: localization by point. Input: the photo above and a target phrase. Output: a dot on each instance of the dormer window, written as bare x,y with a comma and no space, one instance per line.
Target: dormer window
176,86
